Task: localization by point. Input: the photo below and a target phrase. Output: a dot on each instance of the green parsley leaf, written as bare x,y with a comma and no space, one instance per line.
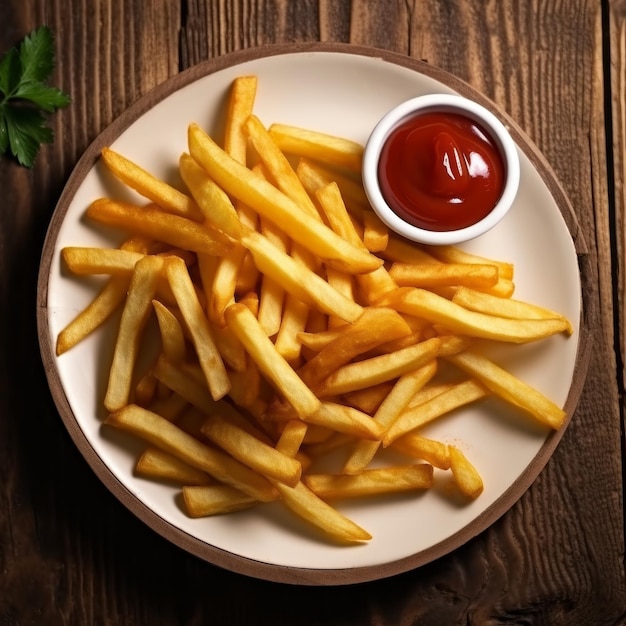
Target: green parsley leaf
25,96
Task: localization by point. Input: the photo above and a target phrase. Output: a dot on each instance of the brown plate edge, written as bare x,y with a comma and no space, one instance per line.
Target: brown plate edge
212,554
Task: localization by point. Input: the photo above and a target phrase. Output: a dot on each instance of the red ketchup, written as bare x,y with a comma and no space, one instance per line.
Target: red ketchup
440,171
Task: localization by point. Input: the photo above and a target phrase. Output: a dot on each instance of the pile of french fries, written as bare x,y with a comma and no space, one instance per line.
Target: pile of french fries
292,324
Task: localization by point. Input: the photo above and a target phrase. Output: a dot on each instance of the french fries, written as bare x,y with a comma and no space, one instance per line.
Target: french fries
273,204
201,501
465,475
260,348
510,388
248,449
134,317
371,482
440,310
154,463
154,223
92,261
110,297
353,341
169,438
419,415
196,322
298,279
334,151
444,275
291,324
158,191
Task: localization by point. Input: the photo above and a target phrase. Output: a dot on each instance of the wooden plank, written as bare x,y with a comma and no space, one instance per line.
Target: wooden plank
617,24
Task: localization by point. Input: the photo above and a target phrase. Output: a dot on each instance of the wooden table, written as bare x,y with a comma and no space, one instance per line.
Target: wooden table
70,553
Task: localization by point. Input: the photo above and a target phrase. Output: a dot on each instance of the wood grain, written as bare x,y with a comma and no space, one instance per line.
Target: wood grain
71,554
617,78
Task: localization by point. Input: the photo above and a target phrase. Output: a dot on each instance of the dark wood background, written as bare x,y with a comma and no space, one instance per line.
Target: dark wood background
71,554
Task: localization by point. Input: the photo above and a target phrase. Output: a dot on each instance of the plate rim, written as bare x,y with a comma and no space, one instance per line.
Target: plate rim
197,547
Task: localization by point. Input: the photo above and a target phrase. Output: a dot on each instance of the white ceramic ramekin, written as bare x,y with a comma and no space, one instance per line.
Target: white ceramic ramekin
441,103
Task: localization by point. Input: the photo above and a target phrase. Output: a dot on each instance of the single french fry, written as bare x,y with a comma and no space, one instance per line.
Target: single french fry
379,369
454,254
347,420
343,283
154,463
439,310
240,107
100,309
204,501
84,261
510,388
504,307
270,363
375,232
271,291
252,452
134,317
150,221
292,437
416,446
278,166
270,202
168,437
149,186
309,507
334,208
223,285
172,335
311,144
466,477
295,316
372,482
444,274
208,355
461,394
213,201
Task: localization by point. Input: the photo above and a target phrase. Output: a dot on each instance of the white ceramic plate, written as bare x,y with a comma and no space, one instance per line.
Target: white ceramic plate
341,90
